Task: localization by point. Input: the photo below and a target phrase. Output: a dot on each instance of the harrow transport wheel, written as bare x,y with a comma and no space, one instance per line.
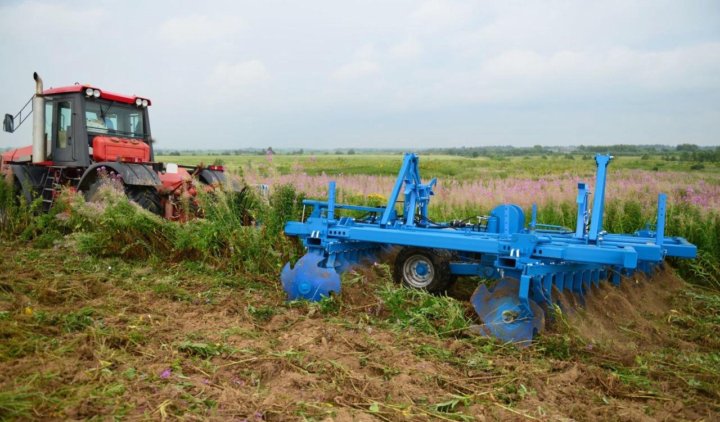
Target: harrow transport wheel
424,269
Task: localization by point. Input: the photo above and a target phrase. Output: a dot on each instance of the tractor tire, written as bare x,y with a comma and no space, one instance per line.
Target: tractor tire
15,200
17,191
21,196
425,269
145,196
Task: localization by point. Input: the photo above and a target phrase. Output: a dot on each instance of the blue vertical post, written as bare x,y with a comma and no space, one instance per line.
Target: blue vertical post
533,223
410,202
407,161
524,294
582,203
506,221
331,201
660,227
599,201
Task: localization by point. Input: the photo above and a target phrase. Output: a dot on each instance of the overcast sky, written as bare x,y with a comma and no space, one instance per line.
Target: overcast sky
401,74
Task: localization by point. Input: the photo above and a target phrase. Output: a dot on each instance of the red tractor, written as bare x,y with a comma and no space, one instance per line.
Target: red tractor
82,134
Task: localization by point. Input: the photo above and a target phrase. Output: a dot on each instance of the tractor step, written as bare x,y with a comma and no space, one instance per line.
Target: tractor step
50,187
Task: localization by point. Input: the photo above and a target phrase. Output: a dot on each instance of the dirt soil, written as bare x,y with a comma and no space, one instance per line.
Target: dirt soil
84,337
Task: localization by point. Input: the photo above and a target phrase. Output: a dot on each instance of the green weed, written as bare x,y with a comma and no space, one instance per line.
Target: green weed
77,321
204,350
262,313
420,310
170,290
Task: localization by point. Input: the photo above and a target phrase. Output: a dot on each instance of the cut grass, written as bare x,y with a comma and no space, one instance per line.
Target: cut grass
136,334
17,403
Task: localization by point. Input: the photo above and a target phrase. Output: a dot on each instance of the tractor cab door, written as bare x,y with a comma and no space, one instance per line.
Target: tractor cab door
59,130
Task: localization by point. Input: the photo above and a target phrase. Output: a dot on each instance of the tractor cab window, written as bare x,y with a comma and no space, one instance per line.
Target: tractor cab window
48,121
64,114
116,119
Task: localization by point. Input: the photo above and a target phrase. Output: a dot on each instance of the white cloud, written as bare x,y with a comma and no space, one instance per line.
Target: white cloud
407,49
228,81
441,14
40,20
526,76
356,70
239,75
589,72
366,52
365,62
199,28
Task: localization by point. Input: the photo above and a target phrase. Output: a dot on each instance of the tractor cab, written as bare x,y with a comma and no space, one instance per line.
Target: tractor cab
78,125
81,134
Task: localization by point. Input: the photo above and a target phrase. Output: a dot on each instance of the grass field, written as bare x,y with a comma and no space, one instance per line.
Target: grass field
107,311
458,168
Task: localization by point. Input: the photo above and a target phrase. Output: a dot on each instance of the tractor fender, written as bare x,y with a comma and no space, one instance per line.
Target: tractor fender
132,174
211,177
30,179
217,177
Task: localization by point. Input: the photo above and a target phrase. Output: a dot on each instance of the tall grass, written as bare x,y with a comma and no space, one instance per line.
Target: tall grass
117,227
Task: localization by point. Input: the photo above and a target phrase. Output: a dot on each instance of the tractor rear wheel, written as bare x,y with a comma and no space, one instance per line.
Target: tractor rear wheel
425,269
145,196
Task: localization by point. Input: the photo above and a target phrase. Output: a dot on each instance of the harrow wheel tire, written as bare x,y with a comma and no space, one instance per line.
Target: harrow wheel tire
424,269
145,196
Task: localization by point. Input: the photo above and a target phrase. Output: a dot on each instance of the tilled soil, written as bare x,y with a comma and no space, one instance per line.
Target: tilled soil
85,337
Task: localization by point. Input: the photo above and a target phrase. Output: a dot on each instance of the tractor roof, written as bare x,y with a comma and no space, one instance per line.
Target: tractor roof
112,96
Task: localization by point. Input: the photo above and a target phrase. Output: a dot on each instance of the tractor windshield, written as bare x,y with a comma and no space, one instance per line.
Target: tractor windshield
111,118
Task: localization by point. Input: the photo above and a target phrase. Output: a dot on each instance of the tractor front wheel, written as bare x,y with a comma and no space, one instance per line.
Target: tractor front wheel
17,191
424,269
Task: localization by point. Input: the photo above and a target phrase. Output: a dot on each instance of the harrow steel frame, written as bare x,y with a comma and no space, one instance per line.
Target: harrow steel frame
542,258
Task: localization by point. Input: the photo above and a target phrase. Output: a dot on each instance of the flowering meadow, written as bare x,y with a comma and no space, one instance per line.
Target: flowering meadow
456,195
477,184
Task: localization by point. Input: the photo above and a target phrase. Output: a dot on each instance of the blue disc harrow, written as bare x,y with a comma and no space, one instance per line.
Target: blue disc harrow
531,262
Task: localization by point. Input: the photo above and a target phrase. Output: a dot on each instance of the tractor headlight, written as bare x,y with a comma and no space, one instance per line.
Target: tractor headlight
138,102
145,103
89,92
96,93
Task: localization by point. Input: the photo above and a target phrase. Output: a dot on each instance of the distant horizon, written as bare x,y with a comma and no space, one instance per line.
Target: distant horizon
399,150
508,147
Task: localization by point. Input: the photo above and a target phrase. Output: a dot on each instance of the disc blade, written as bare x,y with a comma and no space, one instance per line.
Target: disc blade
503,315
309,280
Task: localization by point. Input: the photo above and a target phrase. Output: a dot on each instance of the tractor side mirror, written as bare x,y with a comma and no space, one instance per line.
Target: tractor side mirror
9,123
